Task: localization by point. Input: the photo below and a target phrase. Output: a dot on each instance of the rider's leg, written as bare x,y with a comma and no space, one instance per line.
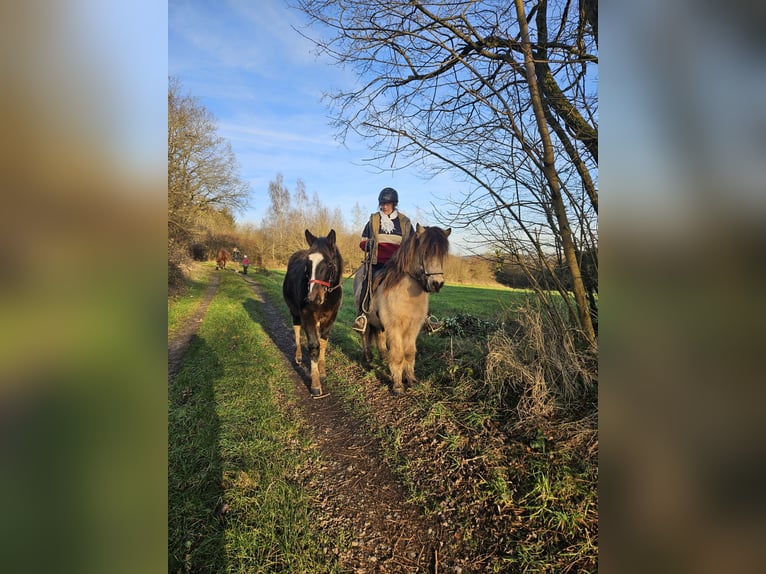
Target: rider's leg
360,323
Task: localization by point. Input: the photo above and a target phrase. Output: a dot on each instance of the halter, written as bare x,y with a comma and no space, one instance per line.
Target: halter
326,284
425,275
329,288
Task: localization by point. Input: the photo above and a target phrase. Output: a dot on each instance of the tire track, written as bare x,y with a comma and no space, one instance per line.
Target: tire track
179,343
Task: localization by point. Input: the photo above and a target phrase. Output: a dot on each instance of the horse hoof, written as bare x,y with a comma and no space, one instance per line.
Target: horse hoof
397,391
316,392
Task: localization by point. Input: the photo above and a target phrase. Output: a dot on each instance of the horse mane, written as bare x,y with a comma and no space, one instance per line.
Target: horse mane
432,241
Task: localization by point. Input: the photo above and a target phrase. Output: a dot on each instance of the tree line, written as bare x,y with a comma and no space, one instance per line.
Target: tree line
204,186
205,190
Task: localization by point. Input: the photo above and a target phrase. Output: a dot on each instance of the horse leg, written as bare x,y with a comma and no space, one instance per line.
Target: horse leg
322,350
382,350
368,340
409,362
396,363
313,343
298,354
316,381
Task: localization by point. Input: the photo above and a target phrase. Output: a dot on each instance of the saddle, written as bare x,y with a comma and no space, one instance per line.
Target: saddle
377,278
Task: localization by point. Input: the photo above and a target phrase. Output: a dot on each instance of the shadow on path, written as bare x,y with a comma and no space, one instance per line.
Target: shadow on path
195,489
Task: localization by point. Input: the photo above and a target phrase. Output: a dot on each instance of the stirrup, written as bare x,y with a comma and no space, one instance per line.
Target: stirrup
433,324
360,323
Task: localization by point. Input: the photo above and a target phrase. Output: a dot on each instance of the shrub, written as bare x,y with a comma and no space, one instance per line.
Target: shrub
541,373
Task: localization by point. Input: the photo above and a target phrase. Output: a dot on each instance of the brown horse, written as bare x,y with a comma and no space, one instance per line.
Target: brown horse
399,301
313,292
221,258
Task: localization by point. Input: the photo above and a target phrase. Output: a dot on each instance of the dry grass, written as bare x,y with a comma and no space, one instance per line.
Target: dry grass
541,372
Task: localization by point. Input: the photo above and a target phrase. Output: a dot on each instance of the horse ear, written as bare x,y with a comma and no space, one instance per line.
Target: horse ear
331,237
310,238
419,228
448,231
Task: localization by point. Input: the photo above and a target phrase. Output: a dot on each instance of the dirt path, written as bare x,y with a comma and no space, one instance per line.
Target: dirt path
354,490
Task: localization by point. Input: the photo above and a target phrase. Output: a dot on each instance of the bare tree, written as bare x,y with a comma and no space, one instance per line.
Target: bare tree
204,187
508,107
277,219
290,214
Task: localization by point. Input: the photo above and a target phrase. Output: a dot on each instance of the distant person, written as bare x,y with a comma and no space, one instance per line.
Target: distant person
381,237
245,264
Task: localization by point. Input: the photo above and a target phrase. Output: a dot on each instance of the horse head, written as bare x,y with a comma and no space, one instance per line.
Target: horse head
323,267
433,249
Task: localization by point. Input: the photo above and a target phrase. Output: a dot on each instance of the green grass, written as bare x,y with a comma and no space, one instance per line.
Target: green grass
234,504
560,506
483,302
183,306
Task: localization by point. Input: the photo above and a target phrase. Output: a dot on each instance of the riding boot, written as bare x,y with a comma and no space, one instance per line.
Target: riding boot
360,323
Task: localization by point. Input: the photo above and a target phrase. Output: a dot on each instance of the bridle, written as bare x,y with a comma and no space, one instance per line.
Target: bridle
426,274
329,288
326,284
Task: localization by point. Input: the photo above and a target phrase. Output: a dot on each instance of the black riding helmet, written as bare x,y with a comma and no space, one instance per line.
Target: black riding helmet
388,195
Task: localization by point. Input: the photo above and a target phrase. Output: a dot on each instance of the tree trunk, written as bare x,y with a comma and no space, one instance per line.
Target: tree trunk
551,176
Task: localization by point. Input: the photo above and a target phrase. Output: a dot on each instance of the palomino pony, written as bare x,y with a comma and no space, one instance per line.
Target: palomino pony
399,300
221,258
313,292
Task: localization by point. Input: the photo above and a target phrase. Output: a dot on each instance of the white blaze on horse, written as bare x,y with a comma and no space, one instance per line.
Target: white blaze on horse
399,301
313,292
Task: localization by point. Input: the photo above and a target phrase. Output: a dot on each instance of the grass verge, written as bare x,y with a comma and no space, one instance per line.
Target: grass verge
234,503
182,305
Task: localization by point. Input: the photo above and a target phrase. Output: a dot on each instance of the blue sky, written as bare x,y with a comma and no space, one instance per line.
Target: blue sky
263,82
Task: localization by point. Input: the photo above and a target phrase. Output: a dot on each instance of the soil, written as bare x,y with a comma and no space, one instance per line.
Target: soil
353,488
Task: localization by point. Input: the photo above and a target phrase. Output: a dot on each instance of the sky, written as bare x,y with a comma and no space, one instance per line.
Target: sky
264,83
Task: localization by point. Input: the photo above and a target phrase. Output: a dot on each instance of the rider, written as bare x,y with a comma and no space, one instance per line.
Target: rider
381,237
